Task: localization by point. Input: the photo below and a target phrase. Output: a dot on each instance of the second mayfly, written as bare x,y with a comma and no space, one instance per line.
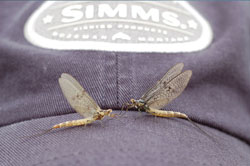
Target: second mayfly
167,89
80,101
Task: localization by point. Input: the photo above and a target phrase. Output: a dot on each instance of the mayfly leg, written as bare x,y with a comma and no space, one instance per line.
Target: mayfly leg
127,106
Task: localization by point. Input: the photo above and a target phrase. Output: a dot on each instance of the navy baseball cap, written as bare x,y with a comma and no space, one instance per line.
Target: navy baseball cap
117,51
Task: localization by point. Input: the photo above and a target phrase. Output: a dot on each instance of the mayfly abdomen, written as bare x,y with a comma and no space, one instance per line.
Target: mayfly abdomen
79,122
169,114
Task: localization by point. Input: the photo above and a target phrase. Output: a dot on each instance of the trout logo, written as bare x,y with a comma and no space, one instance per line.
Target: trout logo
143,26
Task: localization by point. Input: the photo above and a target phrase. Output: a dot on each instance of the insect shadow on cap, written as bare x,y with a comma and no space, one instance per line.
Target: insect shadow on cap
81,102
165,90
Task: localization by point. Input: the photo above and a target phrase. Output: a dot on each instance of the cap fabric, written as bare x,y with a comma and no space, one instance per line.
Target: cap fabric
217,98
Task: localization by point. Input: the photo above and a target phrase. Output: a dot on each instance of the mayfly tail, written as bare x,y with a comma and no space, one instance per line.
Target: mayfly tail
39,134
199,128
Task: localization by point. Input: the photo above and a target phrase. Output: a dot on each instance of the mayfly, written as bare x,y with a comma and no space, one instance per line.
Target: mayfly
167,89
81,102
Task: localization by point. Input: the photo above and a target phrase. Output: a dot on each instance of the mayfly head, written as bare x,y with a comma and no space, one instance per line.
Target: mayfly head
108,113
100,114
138,104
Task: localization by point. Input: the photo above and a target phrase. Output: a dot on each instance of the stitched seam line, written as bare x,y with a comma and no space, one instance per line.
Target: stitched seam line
117,80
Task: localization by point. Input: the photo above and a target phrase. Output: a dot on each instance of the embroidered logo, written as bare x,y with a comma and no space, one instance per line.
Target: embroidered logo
143,26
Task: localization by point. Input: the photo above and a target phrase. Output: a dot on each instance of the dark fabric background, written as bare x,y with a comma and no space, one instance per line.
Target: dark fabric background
217,98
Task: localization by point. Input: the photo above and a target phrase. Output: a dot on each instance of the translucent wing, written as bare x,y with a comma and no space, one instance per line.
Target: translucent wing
77,97
173,72
169,90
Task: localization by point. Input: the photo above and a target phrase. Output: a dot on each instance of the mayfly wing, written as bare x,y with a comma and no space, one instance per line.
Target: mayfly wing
169,90
173,72
77,97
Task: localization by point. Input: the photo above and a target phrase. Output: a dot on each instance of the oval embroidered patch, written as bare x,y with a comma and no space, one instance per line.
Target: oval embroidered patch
143,26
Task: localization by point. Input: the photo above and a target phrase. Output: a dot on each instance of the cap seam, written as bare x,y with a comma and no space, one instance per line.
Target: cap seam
117,79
